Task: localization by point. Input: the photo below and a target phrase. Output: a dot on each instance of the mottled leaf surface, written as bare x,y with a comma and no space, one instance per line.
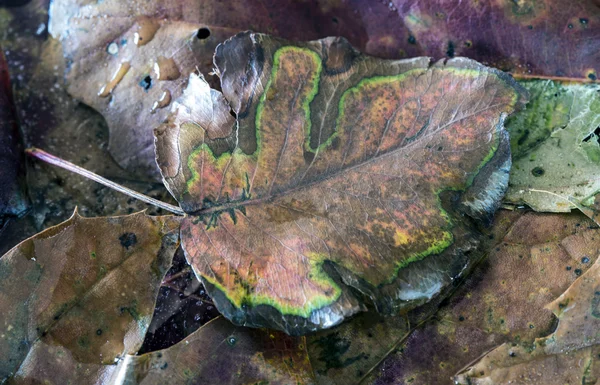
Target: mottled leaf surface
527,37
569,355
335,170
533,258
221,353
81,292
13,200
555,146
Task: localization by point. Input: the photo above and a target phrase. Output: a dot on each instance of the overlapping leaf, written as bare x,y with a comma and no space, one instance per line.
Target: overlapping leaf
555,146
81,292
338,170
569,355
533,258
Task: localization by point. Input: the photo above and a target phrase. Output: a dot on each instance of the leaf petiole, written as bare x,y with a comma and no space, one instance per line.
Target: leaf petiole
56,161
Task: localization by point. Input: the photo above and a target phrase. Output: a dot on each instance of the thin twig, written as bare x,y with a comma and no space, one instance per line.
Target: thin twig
175,276
56,161
549,77
192,296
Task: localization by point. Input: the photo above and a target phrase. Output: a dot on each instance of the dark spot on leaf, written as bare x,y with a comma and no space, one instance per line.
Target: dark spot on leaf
585,260
596,303
578,272
231,341
335,20
512,354
450,50
583,21
146,83
412,39
568,268
99,332
461,318
127,240
570,26
203,33
592,76
530,27
537,171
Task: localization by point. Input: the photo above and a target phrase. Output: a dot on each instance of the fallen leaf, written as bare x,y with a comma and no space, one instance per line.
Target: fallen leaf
221,353
340,171
533,258
530,38
555,142
569,355
13,200
83,290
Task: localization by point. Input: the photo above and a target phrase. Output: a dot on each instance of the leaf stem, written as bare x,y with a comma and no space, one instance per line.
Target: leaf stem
56,161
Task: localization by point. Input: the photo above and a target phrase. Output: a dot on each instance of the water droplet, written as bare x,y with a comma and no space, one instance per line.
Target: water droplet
40,29
146,30
163,101
166,69
231,341
113,48
117,77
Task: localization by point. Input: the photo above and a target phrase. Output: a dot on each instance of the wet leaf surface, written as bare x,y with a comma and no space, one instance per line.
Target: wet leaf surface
533,258
568,355
555,146
530,38
84,289
221,353
340,171
114,48
13,199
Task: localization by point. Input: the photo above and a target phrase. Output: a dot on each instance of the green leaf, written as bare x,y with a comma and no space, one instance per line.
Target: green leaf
555,147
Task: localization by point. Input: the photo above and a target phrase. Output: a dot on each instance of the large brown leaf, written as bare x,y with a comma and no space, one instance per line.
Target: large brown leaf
340,171
81,291
569,355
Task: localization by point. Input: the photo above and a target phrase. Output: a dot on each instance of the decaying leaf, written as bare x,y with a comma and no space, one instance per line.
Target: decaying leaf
81,291
547,37
567,356
533,258
13,200
337,171
555,146
221,353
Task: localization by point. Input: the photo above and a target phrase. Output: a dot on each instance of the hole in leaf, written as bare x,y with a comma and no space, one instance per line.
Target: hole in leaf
203,33
594,134
146,83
